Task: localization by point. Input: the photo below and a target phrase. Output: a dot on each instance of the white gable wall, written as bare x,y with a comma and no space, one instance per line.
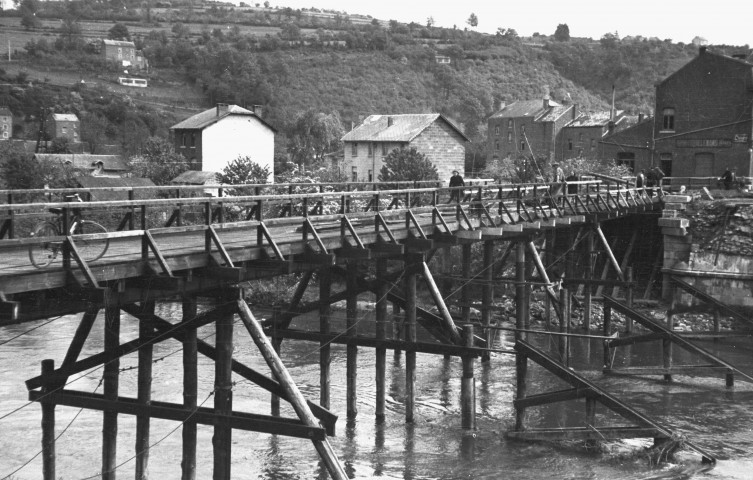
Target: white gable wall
234,136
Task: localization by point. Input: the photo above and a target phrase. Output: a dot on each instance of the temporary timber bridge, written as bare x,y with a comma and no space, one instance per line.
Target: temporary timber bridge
164,244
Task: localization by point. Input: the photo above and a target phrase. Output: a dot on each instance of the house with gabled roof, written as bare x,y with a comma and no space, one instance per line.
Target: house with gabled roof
124,53
529,127
63,125
432,134
211,139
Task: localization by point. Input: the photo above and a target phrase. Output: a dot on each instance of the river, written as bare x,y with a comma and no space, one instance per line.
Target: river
434,447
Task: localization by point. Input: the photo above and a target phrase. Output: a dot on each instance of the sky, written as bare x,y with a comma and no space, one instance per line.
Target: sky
719,21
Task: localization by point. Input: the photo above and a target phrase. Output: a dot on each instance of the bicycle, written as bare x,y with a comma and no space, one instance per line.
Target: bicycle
43,254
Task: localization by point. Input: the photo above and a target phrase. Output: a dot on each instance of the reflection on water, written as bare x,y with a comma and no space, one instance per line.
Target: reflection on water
435,447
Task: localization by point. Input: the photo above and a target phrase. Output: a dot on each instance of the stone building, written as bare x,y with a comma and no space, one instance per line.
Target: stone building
630,146
124,53
63,125
432,134
582,137
529,127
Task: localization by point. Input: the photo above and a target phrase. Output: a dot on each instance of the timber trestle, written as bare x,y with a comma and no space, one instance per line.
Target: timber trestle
385,243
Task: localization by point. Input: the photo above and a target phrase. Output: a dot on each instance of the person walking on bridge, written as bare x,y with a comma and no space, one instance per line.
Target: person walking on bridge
456,181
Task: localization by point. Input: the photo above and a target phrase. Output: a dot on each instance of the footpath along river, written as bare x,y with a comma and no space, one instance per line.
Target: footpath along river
434,447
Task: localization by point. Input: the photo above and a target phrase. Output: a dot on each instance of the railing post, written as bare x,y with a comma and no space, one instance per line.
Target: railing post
207,223
133,210
221,214
144,241
65,221
12,219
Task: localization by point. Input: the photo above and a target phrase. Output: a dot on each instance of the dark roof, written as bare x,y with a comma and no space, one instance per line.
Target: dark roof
110,182
209,117
596,119
86,161
554,112
396,128
118,43
4,111
707,54
525,108
195,177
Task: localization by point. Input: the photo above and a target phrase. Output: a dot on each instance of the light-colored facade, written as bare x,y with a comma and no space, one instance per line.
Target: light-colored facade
124,53
366,146
63,125
211,139
6,124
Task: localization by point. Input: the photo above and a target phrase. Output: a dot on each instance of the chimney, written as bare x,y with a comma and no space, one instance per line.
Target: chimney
575,111
390,121
701,49
610,127
258,110
221,108
546,101
611,110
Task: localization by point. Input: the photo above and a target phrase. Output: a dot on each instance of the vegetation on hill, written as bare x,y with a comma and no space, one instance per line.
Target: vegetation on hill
318,72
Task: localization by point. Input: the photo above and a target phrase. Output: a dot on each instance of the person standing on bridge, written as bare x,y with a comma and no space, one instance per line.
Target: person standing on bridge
456,181
572,188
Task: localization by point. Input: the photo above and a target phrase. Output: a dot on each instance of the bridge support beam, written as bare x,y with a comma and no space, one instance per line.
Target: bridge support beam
487,293
351,312
325,283
468,384
146,354
190,390
381,333
48,427
223,395
411,266
111,380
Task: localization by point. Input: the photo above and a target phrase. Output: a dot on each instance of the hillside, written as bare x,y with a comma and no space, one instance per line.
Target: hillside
293,62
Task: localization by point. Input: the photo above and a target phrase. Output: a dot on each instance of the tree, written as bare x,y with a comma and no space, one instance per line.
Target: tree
20,171
430,22
29,9
472,20
70,33
407,164
314,134
243,170
119,32
562,34
158,161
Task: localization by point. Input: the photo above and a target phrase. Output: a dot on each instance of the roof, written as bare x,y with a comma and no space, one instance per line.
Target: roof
554,112
396,128
703,54
118,43
596,119
195,177
209,117
4,111
64,117
86,161
525,108
111,182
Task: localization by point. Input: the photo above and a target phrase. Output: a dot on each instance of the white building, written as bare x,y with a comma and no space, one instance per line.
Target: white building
213,138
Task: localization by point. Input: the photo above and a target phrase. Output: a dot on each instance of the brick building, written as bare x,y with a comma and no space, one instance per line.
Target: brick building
703,121
63,125
529,127
432,134
124,53
6,124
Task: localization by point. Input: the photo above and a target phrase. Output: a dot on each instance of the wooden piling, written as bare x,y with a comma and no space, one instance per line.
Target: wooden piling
589,276
487,292
111,374
325,284
277,345
190,391
607,332
381,334
465,289
564,340
48,426
297,401
144,394
666,344
351,312
521,297
468,385
521,388
410,336
223,395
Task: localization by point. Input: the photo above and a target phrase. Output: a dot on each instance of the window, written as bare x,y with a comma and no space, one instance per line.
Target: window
354,174
522,129
509,137
385,150
5,134
668,119
522,146
120,52
354,150
593,143
627,159
371,176
496,130
580,137
64,129
193,140
496,145
509,123
184,140
569,143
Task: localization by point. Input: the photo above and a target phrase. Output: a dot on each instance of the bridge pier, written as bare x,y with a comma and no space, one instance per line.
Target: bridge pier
410,335
146,354
111,386
381,334
223,393
325,284
190,389
48,427
351,313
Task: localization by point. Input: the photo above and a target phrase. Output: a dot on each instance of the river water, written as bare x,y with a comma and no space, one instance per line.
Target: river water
434,447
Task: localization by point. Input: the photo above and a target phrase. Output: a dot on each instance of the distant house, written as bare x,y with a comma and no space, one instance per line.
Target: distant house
6,124
193,177
581,137
442,59
63,125
432,134
124,53
113,166
211,139
529,127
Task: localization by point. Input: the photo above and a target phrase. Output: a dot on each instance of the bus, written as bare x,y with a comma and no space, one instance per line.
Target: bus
132,82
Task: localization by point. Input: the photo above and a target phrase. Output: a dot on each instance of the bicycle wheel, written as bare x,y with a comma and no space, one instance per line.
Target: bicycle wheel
91,250
43,254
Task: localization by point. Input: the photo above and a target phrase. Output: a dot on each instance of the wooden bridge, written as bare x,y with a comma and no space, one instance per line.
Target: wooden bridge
176,243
